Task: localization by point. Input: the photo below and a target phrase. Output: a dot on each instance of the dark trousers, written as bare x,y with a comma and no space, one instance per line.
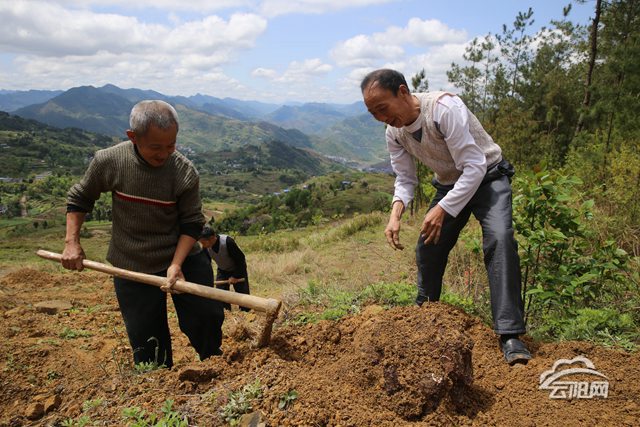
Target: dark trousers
144,311
491,205
241,287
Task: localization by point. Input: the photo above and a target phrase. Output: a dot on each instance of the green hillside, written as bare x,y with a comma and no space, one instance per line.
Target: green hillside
204,132
358,138
245,173
28,147
83,107
330,196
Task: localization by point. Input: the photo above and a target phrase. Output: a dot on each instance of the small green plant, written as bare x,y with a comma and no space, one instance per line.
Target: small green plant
80,422
137,417
240,402
144,367
52,375
68,333
287,399
90,404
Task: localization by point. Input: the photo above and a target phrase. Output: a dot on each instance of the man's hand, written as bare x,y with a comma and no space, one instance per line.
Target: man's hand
392,232
232,280
174,272
72,256
432,225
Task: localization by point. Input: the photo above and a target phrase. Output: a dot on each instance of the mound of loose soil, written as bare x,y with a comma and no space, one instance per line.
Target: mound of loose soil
433,365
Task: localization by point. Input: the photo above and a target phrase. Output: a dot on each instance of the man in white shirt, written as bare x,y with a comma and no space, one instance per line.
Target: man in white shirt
437,130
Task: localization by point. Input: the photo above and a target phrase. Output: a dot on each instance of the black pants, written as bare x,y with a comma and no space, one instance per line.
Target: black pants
491,205
241,287
144,311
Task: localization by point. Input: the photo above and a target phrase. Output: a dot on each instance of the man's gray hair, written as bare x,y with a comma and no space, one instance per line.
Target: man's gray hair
153,112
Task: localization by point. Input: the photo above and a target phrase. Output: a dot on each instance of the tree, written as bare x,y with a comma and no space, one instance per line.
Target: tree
514,44
420,84
593,52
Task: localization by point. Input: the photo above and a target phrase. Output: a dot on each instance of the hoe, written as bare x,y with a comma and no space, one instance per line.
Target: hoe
267,305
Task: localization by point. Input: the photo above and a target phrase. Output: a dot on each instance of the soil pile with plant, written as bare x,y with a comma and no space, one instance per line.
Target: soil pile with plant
65,360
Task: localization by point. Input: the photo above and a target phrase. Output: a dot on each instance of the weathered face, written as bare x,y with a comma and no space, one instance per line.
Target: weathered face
395,110
156,145
208,242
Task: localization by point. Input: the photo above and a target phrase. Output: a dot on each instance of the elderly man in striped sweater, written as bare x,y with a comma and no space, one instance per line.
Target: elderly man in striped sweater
157,218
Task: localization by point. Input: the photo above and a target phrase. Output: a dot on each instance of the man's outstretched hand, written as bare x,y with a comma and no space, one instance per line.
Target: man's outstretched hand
392,232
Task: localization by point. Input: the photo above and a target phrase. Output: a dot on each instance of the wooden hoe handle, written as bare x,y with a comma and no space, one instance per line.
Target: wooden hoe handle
267,305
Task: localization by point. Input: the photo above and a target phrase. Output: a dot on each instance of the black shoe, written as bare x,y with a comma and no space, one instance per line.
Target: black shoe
514,350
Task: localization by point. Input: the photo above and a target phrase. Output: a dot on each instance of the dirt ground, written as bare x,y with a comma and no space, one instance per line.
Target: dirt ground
433,365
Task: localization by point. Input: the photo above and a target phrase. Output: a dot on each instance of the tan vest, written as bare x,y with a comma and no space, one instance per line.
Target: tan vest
432,150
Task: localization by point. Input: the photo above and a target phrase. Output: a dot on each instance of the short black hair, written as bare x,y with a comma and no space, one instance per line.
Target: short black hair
386,79
207,232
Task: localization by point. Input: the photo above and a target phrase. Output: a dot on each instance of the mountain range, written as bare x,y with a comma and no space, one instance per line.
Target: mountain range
344,132
28,147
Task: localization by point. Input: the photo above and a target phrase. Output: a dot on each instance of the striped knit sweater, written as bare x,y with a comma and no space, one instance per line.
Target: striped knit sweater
152,206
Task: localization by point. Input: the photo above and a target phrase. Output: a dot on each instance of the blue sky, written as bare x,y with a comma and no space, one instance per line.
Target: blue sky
267,50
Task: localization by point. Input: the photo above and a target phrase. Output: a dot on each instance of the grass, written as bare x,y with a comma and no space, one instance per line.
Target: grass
68,333
332,269
18,251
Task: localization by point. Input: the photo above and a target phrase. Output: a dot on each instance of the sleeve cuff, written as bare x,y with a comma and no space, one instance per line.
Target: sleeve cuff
75,208
400,199
448,209
191,229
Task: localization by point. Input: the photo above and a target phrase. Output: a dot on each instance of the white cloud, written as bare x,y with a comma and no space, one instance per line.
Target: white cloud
51,30
38,27
425,33
303,71
367,51
306,80
269,8
361,50
44,43
214,33
173,5
273,8
187,47
296,72
266,73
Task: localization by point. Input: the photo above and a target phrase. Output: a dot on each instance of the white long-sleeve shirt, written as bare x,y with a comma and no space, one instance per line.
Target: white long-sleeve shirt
451,117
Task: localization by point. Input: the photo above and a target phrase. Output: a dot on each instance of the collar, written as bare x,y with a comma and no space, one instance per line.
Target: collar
216,245
417,124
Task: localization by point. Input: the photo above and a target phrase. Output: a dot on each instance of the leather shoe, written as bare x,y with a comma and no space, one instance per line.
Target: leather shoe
515,351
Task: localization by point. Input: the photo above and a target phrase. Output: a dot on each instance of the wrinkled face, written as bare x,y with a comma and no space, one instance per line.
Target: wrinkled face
395,110
156,145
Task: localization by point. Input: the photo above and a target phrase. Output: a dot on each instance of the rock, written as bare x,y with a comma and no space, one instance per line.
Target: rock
53,306
34,411
253,419
52,403
15,311
197,374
